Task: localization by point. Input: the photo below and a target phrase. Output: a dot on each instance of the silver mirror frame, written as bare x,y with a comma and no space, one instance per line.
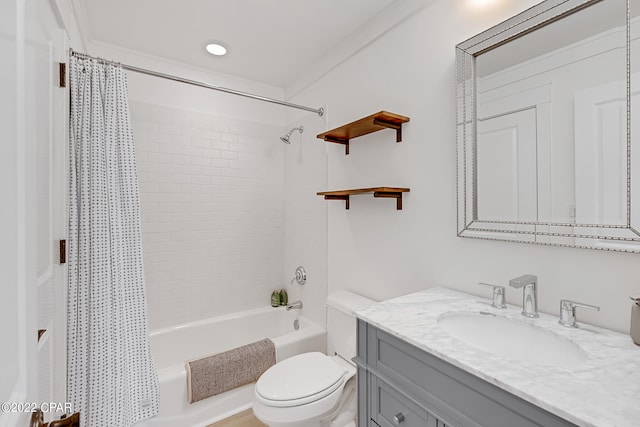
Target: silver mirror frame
620,238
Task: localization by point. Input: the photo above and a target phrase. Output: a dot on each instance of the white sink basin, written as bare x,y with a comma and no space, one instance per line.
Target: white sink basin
512,339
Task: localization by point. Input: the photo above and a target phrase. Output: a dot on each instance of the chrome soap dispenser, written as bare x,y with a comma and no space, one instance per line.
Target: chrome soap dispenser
635,320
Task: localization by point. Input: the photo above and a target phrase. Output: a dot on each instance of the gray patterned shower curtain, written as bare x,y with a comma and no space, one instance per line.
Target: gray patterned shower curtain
111,379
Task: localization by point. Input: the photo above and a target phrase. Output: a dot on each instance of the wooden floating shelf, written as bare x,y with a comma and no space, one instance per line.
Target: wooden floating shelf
384,192
370,124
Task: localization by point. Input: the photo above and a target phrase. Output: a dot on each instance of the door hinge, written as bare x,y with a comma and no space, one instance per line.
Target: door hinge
63,251
62,68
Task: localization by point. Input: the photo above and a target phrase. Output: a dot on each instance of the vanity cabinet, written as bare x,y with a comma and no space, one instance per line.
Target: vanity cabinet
402,385
390,408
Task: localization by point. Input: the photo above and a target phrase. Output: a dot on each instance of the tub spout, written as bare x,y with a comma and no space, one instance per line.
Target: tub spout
295,304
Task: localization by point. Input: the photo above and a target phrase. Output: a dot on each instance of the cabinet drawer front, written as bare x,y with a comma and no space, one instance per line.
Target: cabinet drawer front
450,392
391,410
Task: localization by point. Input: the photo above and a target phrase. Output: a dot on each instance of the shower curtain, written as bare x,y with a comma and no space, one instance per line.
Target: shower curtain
111,379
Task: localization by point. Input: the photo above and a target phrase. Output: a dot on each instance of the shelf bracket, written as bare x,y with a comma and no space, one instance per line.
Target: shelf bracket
337,197
390,125
391,195
343,141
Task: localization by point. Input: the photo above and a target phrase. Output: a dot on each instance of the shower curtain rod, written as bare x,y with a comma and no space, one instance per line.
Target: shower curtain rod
318,111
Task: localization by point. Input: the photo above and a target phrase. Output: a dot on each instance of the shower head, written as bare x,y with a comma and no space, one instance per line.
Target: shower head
285,138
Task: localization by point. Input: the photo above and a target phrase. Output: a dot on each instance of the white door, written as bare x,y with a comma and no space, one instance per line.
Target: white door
601,154
507,167
13,378
32,118
517,120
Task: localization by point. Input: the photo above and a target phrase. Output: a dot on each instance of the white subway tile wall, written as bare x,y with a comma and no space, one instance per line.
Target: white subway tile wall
305,233
212,194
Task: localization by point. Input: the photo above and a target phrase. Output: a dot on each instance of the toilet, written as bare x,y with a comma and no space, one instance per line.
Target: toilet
313,389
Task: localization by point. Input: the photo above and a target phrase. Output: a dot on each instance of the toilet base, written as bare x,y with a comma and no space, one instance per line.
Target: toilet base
342,415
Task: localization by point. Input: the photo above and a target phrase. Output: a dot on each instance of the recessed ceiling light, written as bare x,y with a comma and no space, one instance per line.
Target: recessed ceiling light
216,49
479,4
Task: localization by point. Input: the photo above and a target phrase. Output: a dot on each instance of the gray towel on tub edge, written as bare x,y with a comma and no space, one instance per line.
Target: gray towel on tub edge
225,371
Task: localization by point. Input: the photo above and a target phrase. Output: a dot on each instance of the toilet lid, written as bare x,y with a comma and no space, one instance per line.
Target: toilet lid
300,377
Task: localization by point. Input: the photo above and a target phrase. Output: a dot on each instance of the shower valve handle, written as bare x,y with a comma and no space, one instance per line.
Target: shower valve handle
301,276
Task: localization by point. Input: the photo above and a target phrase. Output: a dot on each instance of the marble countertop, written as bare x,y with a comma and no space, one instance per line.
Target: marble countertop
604,391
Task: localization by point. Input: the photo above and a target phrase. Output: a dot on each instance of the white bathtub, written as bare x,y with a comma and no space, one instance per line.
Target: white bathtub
171,347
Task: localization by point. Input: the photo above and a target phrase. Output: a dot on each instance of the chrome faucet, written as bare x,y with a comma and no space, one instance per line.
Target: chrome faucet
498,295
528,283
568,312
295,304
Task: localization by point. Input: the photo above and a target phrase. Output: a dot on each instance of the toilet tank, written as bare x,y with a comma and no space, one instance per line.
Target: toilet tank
341,322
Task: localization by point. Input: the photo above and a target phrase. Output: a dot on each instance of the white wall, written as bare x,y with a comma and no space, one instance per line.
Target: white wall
212,191
228,212
380,252
305,215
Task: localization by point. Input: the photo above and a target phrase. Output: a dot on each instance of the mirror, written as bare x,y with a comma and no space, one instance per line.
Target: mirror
544,124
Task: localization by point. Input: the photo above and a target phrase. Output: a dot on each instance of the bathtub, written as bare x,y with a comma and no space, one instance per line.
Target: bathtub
171,347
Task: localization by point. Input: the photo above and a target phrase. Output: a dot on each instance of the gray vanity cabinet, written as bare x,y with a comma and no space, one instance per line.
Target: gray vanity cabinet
390,408
402,385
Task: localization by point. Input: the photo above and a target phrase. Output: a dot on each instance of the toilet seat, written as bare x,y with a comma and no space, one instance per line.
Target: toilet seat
299,380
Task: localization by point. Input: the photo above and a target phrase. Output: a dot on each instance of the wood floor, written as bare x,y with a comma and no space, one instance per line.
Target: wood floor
243,419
